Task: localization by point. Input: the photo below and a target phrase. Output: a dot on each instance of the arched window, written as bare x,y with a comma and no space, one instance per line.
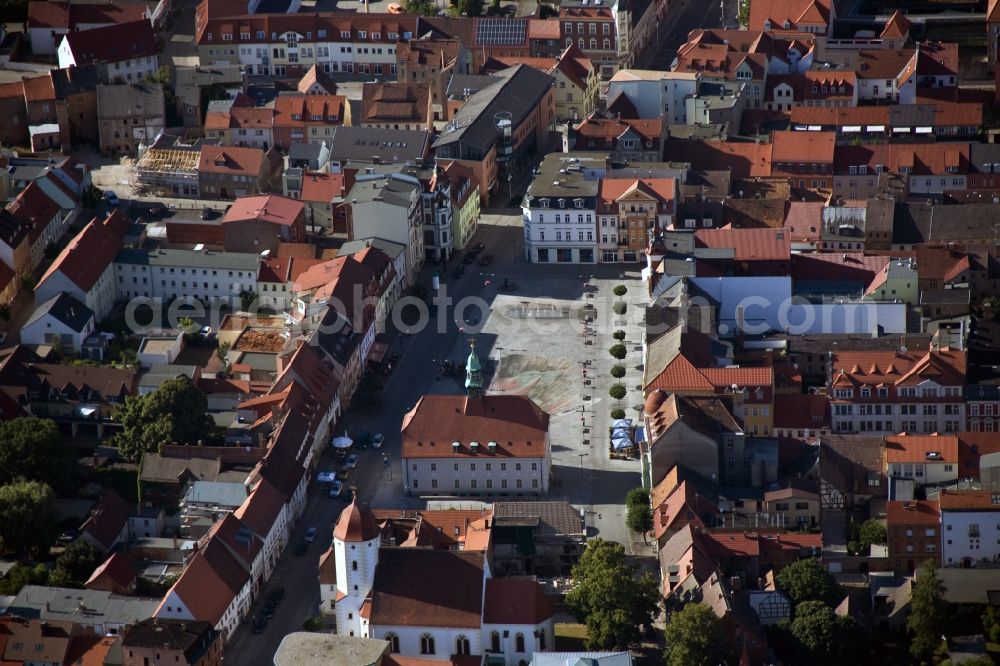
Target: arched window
519,642
354,565
607,44
393,640
462,645
593,42
426,644
494,642
582,43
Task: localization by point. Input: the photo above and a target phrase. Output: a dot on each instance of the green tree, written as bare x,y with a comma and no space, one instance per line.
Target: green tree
174,412
617,413
618,351
91,196
617,391
637,496
807,580
609,598
26,448
469,7
871,532
927,612
21,575
823,637
639,518
620,290
222,353
247,299
75,565
618,335
695,638
619,308
618,371
991,624
743,13
29,518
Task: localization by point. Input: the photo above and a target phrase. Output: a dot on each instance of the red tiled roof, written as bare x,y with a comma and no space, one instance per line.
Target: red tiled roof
801,411
115,569
791,147
271,208
611,189
969,500
210,582
511,601
34,209
261,508
322,187
113,43
356,523
107,520
230,160
897,26
517,425
912,512
302,110
916,448
946,366
90,253
748,244
40,88
448,592
684,506
745,160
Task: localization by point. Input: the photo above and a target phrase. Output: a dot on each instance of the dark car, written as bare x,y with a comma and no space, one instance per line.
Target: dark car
486,260
469,258
276,595
301,548
208,214
268,610
365,440
154,209
259,625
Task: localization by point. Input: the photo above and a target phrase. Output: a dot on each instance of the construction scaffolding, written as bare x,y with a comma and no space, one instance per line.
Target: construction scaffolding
168,171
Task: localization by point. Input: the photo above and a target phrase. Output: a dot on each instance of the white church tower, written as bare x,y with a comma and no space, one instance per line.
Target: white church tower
355,551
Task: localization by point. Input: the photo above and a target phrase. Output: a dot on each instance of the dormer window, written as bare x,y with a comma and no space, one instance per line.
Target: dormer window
578,203
562,203
345,34
362,34
544,203
376,35
866,392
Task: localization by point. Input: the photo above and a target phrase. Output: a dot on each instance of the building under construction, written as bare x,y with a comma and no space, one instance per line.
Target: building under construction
168,167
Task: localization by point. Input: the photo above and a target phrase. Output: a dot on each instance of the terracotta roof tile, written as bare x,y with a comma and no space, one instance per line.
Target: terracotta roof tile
517,425
113,43
108,519
230,160
271,208
969,500
512,601
447,593
88,255
913,512
748,244
917,448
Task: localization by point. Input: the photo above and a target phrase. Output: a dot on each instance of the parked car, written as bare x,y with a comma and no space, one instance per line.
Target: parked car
365,440
310,534
277,594
469,258
352,461
377,441
111,198
208,213
259,625
326,477
268,610
336,488
486,260
301,548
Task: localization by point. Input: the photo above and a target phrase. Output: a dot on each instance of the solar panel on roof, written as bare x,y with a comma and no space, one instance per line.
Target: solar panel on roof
501,32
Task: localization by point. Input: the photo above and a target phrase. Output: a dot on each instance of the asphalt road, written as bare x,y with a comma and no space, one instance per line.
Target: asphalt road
682,17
